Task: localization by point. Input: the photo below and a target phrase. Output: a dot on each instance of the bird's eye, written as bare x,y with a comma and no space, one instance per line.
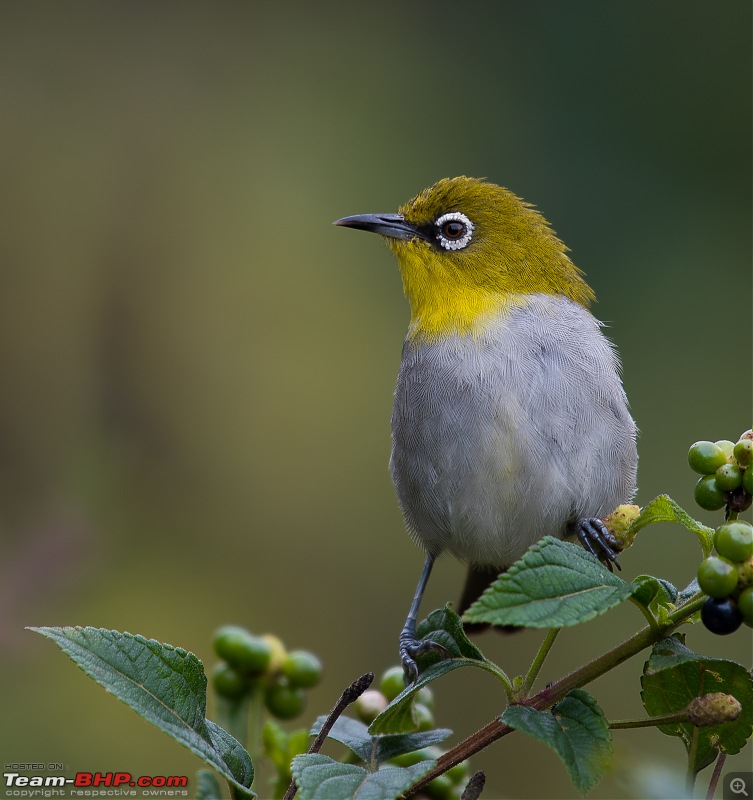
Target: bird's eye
454,230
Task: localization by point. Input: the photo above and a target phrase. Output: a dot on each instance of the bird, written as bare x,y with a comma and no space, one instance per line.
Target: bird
510,421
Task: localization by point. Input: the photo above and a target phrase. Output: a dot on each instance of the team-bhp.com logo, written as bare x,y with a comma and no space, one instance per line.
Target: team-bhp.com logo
93,784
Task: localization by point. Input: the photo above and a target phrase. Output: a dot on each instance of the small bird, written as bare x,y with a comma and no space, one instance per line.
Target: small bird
510,420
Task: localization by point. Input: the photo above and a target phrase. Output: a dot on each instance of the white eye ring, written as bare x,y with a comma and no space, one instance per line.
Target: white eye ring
454,244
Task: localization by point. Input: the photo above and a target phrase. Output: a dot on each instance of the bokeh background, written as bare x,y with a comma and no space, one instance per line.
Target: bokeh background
197,368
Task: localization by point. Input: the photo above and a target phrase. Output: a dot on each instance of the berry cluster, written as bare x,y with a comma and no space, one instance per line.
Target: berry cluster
727,579
727,473
371,703
250,662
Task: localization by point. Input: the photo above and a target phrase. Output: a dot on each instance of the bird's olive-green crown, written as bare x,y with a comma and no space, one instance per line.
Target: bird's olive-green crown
469,250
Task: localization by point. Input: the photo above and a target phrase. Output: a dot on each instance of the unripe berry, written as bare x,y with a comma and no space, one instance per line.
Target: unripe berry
370,705
729,477
708,495
302,669
745,606
283,701
743,452
726,447
228,682
423,717
392,683
717,577
242,649
706,457
748,479
734,540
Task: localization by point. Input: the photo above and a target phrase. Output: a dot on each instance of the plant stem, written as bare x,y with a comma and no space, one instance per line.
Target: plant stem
648,722
692,754
538,662
718,767
256,721
547,697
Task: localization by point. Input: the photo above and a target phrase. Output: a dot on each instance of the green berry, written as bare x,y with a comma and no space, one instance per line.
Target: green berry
423,717
729,477
370,705
706,457
721,616
726,447
228,682
745,606
302,669
242,649
708,495
717,577
284,701
734,540
743,452
748,479
425,696
392,683
744,574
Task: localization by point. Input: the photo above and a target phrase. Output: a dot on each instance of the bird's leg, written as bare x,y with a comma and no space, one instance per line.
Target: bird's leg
410,646
596,538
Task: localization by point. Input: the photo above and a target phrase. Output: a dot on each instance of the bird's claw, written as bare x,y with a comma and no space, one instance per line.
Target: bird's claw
412,648
596,538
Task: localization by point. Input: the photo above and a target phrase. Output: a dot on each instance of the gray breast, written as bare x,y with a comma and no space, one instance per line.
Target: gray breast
501,439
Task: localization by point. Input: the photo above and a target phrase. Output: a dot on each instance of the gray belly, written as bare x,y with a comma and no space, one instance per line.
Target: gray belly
500,440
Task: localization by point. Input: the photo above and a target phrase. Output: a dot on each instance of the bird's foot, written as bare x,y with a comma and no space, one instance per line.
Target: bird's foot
596,538
412,648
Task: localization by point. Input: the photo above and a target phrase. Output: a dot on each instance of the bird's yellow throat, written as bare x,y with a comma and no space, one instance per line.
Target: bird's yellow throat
513,253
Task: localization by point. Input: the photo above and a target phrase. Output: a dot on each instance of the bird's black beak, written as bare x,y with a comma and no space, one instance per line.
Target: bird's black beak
392,225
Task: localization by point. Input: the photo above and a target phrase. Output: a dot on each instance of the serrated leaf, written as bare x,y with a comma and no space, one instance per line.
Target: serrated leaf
664,509
554,585
674,675
164,684
445,627
575,729
321,778
375,750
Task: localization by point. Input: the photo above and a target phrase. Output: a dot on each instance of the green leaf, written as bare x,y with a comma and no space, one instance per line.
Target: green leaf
445,627
554,585
655,594
208,787
674,675
377,749
664,509
164,684
575,729
321,778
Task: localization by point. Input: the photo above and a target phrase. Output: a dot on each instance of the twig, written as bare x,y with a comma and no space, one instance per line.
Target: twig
350,695
547,697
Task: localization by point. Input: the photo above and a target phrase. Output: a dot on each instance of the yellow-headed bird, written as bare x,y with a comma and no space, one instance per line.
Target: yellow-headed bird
510,421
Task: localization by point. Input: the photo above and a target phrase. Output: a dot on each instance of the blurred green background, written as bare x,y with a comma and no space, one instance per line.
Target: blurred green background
198,368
